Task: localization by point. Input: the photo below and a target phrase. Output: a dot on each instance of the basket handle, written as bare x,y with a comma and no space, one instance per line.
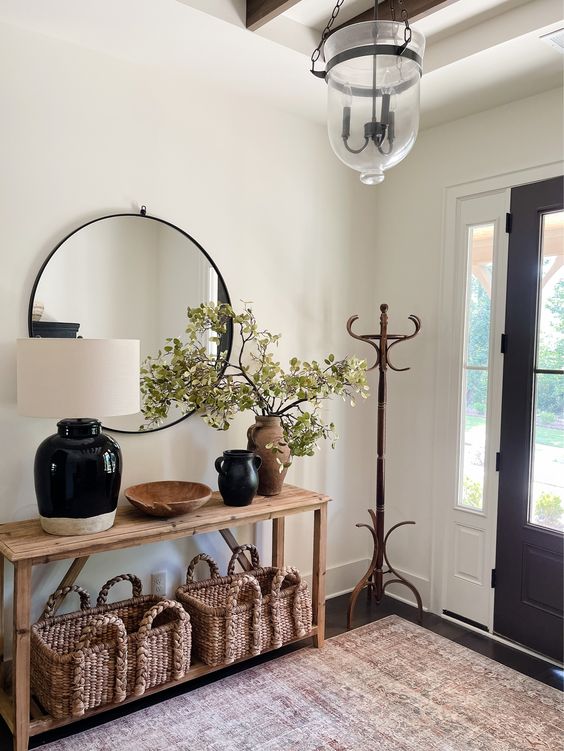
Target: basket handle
178,642
237,586
277,582
135,583
255,560
214,570
57,597
97,623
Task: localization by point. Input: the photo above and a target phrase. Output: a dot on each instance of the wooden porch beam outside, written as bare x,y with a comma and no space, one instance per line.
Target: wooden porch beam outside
260,12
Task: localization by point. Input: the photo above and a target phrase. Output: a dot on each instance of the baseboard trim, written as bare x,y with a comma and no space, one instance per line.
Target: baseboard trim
504,641
388,594
343,578
339,580
406,601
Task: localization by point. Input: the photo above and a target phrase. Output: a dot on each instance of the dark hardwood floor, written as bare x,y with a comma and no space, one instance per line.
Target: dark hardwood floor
366,612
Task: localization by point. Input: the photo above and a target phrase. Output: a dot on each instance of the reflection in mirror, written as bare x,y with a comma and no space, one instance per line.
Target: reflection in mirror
124,276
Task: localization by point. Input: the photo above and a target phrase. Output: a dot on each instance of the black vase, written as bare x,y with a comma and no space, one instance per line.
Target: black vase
77,479
238,476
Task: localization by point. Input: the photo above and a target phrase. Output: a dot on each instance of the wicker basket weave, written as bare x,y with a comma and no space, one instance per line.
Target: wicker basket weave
238,615
102,655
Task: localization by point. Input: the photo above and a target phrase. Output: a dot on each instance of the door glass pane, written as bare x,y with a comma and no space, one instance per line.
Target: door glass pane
547,492
550,354
478,311
546,506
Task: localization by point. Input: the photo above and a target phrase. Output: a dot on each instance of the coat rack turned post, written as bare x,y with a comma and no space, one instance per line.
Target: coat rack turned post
373,579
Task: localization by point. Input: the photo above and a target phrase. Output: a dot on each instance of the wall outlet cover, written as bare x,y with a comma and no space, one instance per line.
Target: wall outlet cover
158,583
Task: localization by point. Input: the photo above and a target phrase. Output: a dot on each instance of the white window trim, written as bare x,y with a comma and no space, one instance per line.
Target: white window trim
448,367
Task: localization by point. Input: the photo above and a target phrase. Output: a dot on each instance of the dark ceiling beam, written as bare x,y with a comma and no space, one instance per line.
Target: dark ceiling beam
260,12
415,8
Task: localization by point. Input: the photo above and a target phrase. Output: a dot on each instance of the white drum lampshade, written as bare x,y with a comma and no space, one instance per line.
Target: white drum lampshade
78,377
77,471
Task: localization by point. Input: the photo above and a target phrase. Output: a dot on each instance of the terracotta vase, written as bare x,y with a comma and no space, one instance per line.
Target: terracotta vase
269,430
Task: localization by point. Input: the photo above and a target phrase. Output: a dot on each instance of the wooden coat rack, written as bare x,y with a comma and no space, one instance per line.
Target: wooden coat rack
373,579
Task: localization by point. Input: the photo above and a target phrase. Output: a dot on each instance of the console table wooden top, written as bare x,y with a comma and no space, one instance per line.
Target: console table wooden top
25,540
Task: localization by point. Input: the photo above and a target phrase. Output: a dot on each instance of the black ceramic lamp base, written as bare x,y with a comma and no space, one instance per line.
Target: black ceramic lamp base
77,479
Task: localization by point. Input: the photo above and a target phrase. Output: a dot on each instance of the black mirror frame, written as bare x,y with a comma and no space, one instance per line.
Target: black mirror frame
141,215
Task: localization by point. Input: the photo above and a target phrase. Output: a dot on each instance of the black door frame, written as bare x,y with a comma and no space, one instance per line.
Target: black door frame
523,549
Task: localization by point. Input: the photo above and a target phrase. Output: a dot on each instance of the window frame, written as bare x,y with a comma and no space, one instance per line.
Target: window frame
447,384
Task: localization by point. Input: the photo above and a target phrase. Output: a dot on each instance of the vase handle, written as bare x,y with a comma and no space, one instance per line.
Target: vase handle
219,465
251,436
257,461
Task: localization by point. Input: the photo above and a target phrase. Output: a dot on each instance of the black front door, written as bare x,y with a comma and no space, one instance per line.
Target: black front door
529,557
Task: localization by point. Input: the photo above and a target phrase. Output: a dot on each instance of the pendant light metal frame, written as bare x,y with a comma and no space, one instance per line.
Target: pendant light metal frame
379,130
366,50
369,50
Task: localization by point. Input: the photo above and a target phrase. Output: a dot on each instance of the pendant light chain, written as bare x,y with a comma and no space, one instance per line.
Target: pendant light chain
407,33
326,31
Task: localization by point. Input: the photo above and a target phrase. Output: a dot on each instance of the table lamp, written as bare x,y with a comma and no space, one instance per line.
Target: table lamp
77,471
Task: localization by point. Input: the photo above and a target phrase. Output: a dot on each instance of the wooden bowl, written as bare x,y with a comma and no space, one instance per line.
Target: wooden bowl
169,497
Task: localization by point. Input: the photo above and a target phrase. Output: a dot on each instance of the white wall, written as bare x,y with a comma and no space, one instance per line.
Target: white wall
410,220
82,135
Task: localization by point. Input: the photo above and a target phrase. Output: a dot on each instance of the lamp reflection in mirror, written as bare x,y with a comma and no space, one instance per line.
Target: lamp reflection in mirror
373,70
77,471
163,270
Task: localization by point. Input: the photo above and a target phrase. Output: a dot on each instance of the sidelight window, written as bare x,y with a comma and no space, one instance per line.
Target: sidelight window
476,368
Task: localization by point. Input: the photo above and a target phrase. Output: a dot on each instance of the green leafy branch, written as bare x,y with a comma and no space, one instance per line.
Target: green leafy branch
194,376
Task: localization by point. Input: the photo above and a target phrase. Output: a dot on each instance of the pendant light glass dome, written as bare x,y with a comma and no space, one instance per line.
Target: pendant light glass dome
373,70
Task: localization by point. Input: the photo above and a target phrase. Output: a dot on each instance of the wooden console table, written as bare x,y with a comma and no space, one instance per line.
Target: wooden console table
25,545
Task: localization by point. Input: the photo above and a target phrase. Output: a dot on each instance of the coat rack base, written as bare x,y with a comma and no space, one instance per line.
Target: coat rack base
380,566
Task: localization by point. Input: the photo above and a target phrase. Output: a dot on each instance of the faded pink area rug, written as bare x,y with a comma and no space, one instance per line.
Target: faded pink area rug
389,686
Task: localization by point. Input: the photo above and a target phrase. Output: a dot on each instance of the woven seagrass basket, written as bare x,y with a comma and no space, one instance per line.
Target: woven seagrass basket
101,655
238,615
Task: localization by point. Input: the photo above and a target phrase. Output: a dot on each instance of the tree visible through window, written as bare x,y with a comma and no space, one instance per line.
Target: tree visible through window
476,363
547,493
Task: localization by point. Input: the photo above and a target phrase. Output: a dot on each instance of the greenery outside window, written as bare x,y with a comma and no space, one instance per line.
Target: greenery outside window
546,499
476,364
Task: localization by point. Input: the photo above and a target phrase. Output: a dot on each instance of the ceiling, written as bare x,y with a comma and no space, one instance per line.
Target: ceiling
315,13
480,53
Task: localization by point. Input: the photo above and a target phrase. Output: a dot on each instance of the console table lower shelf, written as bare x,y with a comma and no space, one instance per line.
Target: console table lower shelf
24,544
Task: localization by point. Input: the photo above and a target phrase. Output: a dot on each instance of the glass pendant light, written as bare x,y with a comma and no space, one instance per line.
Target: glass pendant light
373,71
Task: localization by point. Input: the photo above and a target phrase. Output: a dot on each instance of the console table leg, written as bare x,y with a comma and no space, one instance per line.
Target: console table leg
278,542
230,539
318,574
21,647
1,618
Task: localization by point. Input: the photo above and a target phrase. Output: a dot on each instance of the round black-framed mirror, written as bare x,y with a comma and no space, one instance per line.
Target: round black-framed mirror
125,275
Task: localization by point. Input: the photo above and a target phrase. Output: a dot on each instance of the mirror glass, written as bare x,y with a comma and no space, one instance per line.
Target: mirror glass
125,276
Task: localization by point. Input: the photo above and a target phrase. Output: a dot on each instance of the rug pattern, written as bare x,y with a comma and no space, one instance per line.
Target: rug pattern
388,686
